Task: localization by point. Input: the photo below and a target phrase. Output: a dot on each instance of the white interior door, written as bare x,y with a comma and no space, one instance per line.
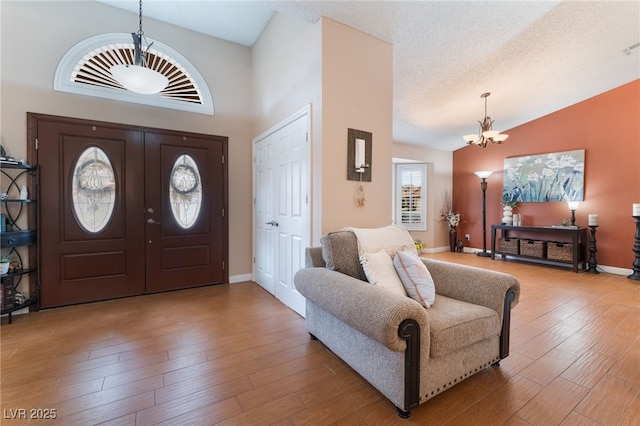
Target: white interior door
281,228
264,214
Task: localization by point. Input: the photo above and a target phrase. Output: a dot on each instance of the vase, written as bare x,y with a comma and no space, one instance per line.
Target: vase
453,239
507,215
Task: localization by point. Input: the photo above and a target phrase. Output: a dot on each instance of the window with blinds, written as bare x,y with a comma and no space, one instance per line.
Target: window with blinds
411,196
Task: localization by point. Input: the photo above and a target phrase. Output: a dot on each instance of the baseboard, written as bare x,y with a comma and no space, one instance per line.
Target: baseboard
240,278
435,250
601,268
614,270
446,248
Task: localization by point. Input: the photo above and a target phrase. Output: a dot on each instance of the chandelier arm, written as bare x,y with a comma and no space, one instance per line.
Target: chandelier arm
145,55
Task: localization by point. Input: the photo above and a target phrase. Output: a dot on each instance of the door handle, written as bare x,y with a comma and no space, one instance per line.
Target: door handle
153,222
272,223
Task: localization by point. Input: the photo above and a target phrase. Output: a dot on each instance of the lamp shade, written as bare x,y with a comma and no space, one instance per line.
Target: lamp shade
471,138
573,205
490,134
139,79
484,174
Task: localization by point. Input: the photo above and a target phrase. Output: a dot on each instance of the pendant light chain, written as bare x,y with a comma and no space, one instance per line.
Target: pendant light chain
140,32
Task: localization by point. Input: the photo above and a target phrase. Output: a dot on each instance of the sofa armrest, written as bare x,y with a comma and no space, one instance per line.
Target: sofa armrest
492,289
375,312
474,285
313,257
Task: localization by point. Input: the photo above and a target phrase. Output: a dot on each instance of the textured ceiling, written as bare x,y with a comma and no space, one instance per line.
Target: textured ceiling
535,57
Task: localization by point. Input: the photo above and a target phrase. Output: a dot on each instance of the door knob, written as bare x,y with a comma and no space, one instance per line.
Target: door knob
272,223
150,210
153,222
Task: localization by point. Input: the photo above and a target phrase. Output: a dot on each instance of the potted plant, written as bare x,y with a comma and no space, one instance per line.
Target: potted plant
452,219
5,261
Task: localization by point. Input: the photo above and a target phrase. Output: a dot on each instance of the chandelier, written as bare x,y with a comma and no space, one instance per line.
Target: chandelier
138,77
486,134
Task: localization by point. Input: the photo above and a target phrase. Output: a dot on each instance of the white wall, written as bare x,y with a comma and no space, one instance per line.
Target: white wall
346,76
35,35
439,178
287,75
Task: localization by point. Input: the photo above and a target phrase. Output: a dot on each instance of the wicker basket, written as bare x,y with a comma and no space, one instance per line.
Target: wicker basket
532,248
509,246
560,251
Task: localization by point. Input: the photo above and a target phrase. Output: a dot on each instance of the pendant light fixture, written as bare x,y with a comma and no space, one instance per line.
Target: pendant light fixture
138,77
486,134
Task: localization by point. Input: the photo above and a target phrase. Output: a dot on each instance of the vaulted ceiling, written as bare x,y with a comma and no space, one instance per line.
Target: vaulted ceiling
535,57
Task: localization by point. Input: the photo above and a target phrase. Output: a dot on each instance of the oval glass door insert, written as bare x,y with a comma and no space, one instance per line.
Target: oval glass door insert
93,189
185,191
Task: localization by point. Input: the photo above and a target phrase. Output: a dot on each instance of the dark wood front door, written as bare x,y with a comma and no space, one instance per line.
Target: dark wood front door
112,221
185,211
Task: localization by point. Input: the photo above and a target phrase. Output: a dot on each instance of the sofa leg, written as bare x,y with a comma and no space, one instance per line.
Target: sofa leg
312,337
403,414
496,364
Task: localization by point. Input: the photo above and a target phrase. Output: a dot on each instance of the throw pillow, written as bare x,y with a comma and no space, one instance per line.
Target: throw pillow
392,238
415,277
379,269
340,253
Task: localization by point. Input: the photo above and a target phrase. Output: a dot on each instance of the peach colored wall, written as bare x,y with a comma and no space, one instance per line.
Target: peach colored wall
439,175
36,35
607,127
357,93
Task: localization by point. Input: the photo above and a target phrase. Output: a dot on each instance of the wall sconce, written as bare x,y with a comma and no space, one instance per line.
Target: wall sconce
359,145
573,206
361,162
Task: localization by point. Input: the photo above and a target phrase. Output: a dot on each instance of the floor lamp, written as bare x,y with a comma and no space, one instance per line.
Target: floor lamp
484,175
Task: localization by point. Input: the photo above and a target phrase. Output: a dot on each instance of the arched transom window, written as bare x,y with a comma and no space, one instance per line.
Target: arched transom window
85,69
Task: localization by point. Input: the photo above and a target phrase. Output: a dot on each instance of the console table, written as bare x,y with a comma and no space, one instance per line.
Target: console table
576,236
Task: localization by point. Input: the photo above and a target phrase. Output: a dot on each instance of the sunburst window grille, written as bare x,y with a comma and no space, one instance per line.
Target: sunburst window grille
85,70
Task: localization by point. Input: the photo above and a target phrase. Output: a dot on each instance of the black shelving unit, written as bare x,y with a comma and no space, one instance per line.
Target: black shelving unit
20,228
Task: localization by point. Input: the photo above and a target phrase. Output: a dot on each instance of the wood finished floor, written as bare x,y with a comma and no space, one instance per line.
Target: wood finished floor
234,355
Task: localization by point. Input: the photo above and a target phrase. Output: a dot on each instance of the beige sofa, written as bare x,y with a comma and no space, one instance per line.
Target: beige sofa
409,353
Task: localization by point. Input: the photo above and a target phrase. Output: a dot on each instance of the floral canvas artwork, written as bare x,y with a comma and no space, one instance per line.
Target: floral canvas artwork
557,176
